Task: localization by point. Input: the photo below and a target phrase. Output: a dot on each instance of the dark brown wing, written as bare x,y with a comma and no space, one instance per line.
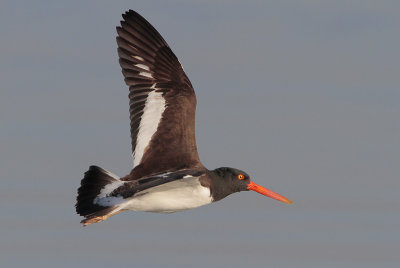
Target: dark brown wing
162,100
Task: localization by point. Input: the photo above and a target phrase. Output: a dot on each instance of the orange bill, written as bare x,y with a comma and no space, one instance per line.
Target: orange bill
264,191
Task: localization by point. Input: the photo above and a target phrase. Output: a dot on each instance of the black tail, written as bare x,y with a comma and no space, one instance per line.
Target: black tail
93,182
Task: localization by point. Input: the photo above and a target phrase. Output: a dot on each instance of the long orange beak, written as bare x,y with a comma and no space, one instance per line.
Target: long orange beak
264,191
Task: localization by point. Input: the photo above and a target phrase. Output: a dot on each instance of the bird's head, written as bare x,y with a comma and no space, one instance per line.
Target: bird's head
234,180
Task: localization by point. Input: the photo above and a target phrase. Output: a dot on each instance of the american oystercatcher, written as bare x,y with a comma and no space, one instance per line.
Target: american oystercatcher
167,175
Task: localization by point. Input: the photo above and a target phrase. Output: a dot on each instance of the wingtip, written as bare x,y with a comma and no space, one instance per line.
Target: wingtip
130,13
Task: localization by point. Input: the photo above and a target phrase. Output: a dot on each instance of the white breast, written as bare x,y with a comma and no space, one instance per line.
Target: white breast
183,194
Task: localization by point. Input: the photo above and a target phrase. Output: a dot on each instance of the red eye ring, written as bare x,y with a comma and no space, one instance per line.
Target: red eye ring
240,176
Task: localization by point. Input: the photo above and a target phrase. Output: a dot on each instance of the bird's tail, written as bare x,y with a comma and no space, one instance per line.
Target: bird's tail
95,186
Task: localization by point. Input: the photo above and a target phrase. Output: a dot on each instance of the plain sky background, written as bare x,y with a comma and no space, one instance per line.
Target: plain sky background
303,95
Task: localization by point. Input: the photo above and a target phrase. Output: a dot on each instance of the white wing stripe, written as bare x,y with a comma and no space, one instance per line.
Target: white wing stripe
146,74
138,58
152,114
142,66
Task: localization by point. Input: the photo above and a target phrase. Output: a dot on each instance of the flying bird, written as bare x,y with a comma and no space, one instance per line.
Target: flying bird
167,175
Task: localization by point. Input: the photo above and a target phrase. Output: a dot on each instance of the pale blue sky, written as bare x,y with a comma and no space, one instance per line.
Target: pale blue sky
303,95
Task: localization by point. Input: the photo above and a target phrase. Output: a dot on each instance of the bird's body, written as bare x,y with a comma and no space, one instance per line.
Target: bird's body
183,194
167,175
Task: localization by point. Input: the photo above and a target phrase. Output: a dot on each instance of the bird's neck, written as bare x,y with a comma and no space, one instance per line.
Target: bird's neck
219,188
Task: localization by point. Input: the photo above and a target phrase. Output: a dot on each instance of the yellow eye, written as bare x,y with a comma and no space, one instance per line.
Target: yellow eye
240,176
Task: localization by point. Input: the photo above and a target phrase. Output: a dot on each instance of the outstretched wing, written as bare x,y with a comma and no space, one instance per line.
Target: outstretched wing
162,100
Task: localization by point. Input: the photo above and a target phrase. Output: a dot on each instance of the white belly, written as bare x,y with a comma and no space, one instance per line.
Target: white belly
183,194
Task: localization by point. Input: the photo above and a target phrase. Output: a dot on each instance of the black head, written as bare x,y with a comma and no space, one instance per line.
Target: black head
227,181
